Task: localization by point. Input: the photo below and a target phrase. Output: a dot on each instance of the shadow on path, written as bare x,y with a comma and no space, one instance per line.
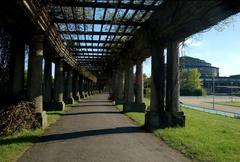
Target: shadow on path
94,112
72,135
87,105
87,101
88,133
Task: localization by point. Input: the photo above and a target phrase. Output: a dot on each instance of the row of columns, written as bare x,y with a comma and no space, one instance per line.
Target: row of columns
127,90
41,90
164,108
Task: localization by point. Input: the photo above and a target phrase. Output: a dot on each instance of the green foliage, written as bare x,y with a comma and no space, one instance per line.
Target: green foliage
147,81
190,83
147,86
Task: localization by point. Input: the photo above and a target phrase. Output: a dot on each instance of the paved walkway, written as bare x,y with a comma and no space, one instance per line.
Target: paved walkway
95,131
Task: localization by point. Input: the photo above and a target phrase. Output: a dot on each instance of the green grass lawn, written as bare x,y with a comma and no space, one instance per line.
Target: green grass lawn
206,137
12,147
228,103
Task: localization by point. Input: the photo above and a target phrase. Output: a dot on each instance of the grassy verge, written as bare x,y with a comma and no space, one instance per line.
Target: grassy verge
12,147
206,137
228,103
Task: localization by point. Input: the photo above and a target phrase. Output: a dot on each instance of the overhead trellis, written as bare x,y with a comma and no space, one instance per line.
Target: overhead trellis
96,30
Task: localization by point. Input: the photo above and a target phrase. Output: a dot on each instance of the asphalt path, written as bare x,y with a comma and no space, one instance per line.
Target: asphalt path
95,131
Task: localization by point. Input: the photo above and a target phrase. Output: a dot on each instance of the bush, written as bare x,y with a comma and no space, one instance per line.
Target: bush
185,91
16,117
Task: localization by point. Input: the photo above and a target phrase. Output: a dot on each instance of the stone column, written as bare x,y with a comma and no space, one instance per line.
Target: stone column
70,99
18,55
76,87
59,85
113,89
81,87
139,83
88,88
173,114
129,89
91,87
35,79
47,97
119,87
126,82
155,116
139,105
85,87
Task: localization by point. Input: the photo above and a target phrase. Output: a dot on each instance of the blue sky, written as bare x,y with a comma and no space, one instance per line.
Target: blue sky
220,48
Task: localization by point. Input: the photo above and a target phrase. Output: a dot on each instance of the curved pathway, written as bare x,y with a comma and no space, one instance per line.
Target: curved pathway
95,131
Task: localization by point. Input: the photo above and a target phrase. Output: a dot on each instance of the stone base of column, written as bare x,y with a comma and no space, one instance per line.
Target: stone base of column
42,119
174,120
152,120
111,96
77,98
54,106
82,96
155,120
134,107
119,101
69,100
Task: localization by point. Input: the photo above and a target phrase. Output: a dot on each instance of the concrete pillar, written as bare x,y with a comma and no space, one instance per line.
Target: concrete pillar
128,89
88,88
139,83
81,87
126,82
85,87
70,99
91,87
113,89
35,79
18,55
119,99
59,85
173,114
47,97
155,116
76,87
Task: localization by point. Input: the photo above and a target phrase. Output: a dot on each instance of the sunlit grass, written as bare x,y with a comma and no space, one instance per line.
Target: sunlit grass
206,137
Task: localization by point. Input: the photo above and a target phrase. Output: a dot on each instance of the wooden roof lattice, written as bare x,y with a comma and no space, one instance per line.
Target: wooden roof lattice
95,36
98,28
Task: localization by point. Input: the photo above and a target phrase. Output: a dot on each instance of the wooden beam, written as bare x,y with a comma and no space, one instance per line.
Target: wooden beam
97,52
92,47
104,5
100,22
92,55
93,41
177,20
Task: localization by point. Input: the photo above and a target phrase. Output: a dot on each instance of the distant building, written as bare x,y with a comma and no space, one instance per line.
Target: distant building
210,76
205,68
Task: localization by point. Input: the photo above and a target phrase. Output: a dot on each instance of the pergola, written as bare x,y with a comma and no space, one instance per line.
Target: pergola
96,43
95,32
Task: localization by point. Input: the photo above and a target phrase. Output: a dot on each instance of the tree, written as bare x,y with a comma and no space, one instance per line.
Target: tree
190,83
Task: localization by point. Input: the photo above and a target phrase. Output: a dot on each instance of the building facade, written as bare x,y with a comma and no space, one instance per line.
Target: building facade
205,68
212,82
